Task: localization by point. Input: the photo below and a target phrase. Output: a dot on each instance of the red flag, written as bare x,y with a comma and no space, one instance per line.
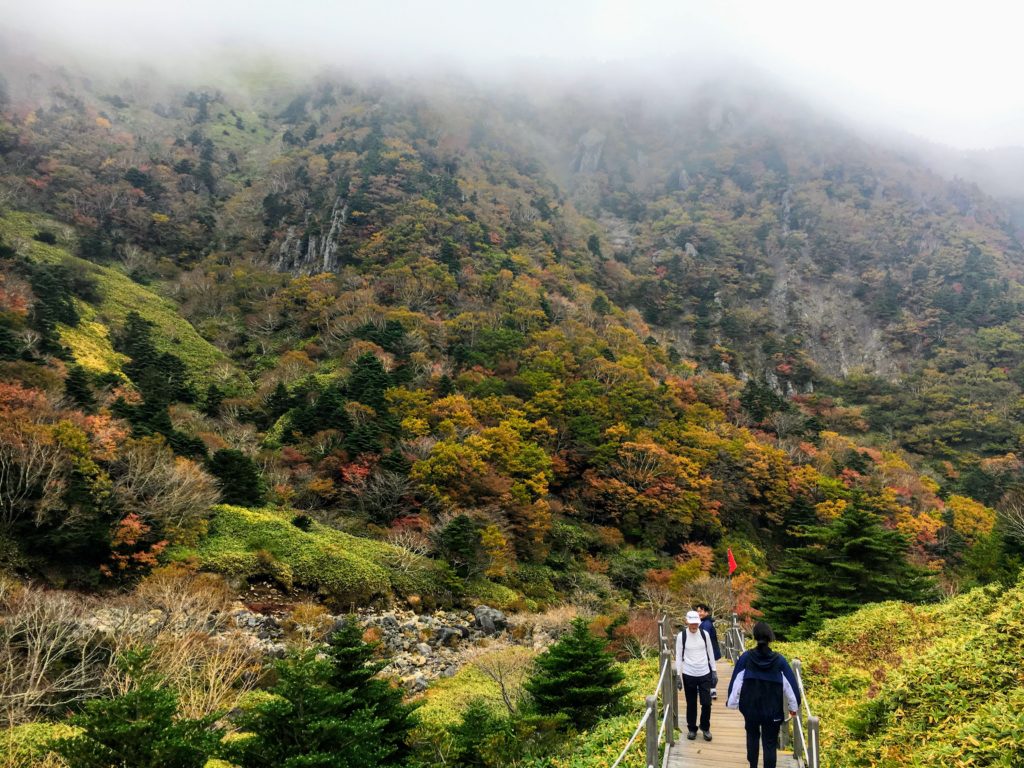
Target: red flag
732,562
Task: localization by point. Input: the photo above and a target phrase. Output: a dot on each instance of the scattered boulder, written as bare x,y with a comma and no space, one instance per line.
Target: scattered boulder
451,636
490,620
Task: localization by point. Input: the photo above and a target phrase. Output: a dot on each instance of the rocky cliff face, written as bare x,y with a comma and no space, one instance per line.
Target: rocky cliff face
589,148
307,250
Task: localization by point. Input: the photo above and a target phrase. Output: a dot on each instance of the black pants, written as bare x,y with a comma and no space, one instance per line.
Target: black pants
692,688
768,735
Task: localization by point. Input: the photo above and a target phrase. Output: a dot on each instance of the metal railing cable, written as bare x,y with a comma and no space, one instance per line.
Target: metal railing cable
664,733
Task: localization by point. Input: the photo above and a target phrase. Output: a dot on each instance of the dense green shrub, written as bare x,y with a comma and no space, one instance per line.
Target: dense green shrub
327,708
248,543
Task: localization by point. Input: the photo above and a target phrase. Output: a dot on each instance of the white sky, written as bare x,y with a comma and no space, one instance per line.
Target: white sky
947,71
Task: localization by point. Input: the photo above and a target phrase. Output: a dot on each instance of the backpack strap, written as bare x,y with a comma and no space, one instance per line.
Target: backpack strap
704,637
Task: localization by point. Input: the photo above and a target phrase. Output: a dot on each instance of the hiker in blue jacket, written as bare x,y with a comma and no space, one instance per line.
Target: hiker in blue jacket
707,623
760,679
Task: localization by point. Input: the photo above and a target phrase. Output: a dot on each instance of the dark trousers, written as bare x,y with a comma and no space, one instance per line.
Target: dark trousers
694,687
768,735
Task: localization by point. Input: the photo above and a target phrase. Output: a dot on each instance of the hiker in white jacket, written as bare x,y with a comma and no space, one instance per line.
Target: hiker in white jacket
695,663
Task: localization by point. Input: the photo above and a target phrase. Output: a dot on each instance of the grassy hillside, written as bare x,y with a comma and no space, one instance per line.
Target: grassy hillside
295,550
89,342
900,685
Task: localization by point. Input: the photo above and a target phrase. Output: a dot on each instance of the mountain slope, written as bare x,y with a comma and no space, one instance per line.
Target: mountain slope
116,296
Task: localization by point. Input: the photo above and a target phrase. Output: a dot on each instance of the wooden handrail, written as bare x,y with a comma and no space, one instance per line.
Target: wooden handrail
664,732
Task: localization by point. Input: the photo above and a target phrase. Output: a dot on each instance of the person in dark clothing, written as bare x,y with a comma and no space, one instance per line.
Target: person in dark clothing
759,681
707,623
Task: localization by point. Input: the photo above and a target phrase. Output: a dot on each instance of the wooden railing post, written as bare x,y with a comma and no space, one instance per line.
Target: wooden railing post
668,687
813,742
673,692
799,748
675,697
784,730
652,732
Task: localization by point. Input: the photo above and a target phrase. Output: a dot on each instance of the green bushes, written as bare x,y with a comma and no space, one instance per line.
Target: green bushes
248,543
140,727
27,746
238,476
327,709
939,685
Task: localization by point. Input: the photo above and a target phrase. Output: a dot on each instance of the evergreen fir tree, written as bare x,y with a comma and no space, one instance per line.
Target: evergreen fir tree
396,462
368,382
327,412
76,387
238,476
459,544
577,676
310,723
761,401
276,405
140,729
848,562
445,386
364,438
212,401
354,669
479,725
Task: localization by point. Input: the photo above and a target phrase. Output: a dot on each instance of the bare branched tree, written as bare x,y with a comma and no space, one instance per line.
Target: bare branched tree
49,657
184,618
32,469
160,487
1010,511
786,423
661,599
713,591
207,671
385,496
508,668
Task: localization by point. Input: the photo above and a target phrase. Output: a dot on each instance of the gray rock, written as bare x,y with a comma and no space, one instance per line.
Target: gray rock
452,635
490,620
424,649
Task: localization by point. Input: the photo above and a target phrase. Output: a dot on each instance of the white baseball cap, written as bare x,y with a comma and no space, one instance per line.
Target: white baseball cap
692,617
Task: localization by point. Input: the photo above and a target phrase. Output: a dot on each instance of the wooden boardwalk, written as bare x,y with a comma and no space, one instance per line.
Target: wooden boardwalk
728,747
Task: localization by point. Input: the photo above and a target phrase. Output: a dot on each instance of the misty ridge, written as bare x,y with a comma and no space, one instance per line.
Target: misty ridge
269,74
736,94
